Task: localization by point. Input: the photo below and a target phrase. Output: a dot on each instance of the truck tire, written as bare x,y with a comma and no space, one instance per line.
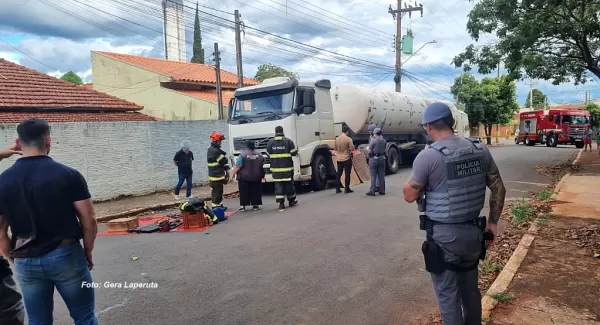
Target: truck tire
552,141
578,145
319,173
528,142
393,161
516,140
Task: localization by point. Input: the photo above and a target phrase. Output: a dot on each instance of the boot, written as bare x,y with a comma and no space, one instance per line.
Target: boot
281,206
293,202
348,190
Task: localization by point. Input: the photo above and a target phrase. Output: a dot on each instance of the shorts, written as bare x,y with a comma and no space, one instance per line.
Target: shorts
587,141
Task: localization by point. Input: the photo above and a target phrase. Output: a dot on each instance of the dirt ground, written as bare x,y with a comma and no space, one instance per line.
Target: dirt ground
559,280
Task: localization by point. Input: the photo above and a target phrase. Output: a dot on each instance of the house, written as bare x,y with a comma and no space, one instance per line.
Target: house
26,93
169,90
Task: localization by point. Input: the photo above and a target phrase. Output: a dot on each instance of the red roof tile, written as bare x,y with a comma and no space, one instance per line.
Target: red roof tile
23,88
210,95
180,71
59,117
568,106
88,86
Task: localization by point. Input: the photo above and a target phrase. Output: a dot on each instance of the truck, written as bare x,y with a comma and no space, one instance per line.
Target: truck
553,127
312,114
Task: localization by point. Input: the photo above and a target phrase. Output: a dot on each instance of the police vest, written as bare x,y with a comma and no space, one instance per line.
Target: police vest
465,183
252,166
280,150
216,161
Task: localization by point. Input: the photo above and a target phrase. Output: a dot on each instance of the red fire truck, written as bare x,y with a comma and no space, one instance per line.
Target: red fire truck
554,126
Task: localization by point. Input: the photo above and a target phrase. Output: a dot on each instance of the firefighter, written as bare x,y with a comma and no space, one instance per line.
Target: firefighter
280,150
217,168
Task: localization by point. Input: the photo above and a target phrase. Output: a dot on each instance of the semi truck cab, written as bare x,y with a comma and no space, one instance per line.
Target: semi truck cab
304,111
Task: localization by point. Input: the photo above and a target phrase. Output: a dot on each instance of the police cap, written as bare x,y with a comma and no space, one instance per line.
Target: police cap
377,131
372,127
435,112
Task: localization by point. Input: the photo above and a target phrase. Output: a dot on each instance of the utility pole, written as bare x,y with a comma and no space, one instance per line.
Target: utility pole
397,14
238,47
498,69
217,59
531,93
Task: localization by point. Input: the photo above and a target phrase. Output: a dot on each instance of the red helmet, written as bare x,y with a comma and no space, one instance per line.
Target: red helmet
216,136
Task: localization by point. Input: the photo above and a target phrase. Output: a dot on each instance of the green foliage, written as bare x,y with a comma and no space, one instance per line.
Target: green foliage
266,71
502,296
489,101
594,112
542,219
487,267
521,213
554,40
198,51
539,99
72,77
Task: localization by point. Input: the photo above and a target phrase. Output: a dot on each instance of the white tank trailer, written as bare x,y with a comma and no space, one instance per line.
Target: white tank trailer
394,113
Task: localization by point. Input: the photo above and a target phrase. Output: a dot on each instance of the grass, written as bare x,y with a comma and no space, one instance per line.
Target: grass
596,222
502,296
487,267
542,219
544,195
521,213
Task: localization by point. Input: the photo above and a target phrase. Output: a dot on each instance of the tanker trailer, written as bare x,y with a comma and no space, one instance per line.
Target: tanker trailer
312,114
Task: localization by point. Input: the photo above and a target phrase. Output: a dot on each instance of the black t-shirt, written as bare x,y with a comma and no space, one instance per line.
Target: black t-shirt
5,269
36,198
184,161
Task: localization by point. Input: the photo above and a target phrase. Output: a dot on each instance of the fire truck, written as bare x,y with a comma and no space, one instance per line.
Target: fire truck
553,127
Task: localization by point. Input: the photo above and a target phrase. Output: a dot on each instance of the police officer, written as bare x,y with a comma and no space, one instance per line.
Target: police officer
372,128
217,168
449,183
280,150
377,162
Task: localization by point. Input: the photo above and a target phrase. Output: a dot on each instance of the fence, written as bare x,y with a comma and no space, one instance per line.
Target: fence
126,158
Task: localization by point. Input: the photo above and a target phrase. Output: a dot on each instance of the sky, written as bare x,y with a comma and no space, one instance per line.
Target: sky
346,41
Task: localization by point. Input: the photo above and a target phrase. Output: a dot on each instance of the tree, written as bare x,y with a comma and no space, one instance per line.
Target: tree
72,78
539,100
552,40
595,113
198,50
266,71
490,101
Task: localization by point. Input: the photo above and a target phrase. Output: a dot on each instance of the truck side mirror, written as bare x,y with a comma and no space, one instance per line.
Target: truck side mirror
230,109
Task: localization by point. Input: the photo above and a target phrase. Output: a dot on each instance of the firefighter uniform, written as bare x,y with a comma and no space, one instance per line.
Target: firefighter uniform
217,168
280,150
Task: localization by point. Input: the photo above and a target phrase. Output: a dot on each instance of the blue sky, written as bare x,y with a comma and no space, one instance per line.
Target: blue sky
57,36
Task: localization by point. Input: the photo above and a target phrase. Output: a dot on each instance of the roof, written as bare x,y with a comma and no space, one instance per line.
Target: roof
180,71
568,106
23,88
210,95
61,117
89,86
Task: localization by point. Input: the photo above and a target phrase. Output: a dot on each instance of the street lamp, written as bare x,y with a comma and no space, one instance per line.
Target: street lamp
417,51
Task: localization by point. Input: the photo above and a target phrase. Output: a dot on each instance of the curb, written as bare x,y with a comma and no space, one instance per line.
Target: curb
135,211
577,158
506,275
562,181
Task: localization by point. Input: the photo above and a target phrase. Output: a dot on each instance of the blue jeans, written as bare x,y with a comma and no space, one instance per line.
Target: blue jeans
65,268
188,184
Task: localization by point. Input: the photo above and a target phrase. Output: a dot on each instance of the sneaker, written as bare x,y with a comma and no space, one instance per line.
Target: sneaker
370,193
281,206
177,197
242,208
255,208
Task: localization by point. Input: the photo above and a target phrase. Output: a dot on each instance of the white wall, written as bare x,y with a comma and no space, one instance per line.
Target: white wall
126,158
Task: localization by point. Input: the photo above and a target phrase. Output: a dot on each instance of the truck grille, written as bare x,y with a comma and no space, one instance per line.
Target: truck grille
576,131
259,143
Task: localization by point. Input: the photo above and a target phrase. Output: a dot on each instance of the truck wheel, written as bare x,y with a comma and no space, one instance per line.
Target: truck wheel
319,173
578,145
392,161
528,142
552,141
516,140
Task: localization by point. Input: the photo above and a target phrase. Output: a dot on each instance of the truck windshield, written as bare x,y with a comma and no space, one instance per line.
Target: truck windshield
576,120
259,109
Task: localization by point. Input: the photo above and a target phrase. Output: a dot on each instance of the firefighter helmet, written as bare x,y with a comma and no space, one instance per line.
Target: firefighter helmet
216,136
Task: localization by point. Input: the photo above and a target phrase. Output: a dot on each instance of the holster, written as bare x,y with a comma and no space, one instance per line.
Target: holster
487,235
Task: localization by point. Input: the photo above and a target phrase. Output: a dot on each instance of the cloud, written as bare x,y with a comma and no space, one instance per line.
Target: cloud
61,34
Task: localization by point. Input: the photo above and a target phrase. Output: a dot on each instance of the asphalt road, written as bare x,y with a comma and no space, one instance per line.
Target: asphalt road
334,259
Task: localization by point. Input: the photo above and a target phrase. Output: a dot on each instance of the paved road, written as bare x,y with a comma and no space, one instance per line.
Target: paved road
334,259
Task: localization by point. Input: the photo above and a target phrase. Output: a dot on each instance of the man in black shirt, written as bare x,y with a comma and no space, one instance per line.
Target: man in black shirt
183,160
49,210
11,302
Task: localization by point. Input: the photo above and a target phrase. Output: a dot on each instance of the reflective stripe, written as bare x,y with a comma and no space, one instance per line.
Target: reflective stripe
214,179
278,138
294,150
220,157
279,197
215,205
282,180
213,164
282,170
280,155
